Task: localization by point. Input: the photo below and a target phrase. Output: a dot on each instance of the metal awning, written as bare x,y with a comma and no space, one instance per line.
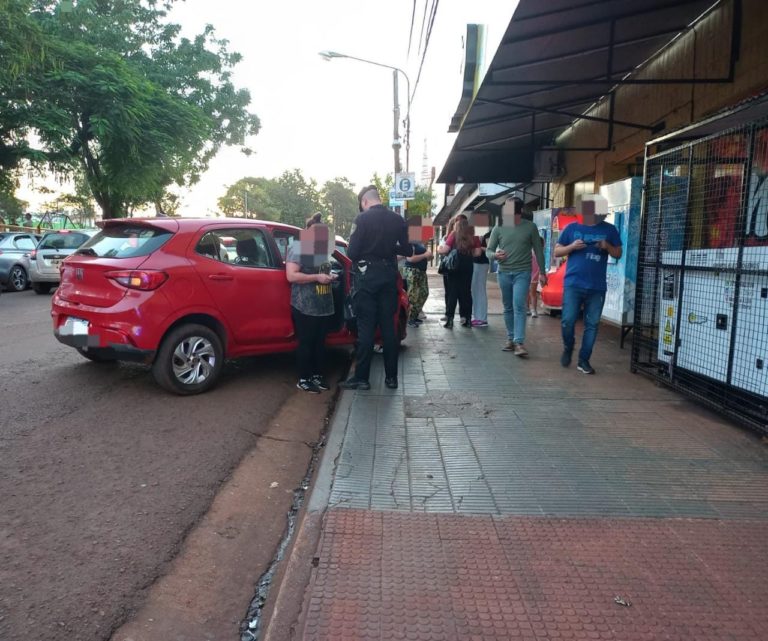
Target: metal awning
556,61
459,200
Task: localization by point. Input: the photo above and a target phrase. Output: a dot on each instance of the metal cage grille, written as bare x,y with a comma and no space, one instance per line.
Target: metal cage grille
701,307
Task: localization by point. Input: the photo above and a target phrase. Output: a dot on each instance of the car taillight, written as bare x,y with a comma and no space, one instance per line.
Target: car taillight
139,279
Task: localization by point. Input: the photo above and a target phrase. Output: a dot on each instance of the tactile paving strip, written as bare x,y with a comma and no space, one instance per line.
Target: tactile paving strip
475,430
388,575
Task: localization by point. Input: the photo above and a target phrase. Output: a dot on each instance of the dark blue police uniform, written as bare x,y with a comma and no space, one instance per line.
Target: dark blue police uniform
379,236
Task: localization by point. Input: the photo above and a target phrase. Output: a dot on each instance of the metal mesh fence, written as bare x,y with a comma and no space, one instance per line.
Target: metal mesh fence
701,307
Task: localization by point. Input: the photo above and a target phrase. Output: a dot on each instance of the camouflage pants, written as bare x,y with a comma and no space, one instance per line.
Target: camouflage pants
418,290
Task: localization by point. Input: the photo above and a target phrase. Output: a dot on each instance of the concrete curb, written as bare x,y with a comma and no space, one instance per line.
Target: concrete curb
284,614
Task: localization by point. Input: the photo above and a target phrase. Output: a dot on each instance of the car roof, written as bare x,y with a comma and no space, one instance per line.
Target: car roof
51,232
193,224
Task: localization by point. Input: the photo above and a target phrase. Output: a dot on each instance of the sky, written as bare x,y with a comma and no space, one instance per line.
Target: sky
334,118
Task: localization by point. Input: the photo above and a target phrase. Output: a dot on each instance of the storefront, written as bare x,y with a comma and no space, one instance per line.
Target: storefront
701,311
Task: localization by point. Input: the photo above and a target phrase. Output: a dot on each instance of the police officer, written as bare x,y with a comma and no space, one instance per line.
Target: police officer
378,237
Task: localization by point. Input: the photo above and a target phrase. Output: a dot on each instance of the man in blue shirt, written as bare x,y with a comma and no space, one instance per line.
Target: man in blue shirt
587,247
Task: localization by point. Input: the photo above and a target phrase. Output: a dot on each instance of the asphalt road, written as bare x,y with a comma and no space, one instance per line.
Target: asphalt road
102,474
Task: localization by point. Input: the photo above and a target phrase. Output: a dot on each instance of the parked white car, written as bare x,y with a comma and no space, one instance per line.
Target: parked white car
46,259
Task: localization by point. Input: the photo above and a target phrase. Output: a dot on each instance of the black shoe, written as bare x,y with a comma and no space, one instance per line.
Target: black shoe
355,383
565,358
448,323
585,368
391,382
466,323
319,382
307,385
413,323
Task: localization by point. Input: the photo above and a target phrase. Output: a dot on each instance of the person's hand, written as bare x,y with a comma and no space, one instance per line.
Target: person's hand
577,245
428,255
543,279
500,254
325,279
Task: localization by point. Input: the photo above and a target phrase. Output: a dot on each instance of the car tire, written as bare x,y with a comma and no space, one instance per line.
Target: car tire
41,288
95,354
190,360
17,279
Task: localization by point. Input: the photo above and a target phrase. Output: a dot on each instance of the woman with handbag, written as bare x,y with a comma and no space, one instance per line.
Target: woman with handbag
458,250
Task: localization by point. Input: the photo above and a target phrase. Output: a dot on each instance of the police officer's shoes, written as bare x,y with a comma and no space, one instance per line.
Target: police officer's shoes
355,383
391,382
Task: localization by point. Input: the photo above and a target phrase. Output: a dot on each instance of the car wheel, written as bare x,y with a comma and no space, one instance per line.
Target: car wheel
17,279
42,288
189,360
95,354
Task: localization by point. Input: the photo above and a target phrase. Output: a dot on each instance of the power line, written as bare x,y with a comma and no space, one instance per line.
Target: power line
426,46
423,24
410,33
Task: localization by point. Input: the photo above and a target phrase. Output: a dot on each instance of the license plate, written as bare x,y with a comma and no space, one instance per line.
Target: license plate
75,327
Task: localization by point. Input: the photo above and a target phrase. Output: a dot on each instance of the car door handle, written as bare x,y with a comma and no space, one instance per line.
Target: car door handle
220,277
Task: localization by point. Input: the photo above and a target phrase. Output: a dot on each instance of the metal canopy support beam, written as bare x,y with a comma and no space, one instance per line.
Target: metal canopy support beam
570,114
524,110
596,21
612,81
479,146
582,52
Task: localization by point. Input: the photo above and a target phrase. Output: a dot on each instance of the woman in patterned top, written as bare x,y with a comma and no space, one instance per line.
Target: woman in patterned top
311,308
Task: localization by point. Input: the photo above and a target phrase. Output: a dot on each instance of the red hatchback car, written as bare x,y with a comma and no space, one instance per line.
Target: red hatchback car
183,294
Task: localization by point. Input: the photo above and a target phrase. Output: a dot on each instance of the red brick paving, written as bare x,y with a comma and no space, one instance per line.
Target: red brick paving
386,576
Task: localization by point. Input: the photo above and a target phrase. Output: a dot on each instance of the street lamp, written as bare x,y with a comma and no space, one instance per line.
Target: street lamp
330,55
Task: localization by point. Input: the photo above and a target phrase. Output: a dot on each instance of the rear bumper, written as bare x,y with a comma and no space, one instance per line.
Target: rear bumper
119,351
124,334
37,275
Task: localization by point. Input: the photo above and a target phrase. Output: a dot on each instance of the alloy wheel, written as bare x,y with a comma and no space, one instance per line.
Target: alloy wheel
18,279
193,360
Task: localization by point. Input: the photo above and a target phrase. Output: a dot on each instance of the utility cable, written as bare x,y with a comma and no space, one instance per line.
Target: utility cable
426,47
410,33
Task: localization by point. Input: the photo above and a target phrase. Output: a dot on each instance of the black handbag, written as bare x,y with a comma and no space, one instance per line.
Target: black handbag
449,263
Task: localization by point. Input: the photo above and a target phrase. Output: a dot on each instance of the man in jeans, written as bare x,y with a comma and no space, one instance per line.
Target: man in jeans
511,245
587,247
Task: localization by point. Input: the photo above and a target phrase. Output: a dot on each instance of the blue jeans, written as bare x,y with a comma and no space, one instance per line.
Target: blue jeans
573,299
479,292
514,288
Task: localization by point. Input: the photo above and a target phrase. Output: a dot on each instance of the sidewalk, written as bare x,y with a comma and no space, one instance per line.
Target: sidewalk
492,497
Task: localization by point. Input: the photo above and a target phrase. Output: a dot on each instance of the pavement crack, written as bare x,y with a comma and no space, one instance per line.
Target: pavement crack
400,462
310,445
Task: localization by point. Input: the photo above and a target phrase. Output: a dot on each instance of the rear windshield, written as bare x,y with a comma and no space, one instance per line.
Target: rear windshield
70,240
125,241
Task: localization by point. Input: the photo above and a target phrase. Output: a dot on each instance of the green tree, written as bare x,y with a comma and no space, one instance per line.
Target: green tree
251,198
384,185
291,198
11,208
296,197
123,96
340,204
421,205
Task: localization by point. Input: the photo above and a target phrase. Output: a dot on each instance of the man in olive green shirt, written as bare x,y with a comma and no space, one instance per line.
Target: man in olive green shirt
511,245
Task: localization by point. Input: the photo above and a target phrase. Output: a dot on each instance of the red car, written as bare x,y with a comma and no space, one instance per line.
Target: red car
183,294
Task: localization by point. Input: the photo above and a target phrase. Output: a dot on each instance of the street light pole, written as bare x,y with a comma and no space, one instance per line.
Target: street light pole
396,131
330,55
